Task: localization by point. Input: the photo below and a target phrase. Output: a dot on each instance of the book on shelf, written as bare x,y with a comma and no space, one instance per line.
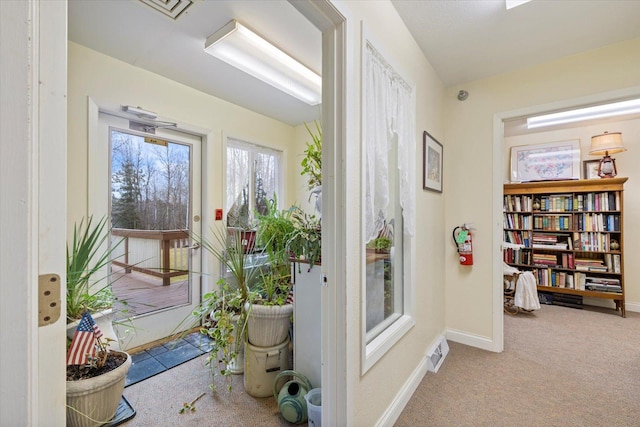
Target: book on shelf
616,263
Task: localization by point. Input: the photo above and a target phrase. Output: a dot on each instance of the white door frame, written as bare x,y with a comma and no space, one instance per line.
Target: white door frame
33,43
335,116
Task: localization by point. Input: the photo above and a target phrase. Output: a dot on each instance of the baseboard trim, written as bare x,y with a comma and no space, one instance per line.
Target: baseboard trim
632,306
472,340
394,410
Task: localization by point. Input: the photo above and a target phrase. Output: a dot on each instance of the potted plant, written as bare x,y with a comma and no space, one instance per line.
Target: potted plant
95,373
312,165
305,241
222,315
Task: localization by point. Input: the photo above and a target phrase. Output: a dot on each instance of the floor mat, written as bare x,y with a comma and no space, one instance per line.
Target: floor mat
150,362
124,413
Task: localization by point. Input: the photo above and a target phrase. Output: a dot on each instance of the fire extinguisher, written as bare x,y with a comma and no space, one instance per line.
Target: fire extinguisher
462,239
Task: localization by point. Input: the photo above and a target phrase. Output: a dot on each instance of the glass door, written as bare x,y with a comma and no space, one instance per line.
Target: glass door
154,205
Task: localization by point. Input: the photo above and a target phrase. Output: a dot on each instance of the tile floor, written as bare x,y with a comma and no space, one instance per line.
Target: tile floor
158,359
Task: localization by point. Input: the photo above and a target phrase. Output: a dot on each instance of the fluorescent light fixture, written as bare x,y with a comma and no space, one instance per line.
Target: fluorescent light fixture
597,112
137,111
240,47
515,3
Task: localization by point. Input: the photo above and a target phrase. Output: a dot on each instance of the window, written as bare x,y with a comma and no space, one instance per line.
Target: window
253,178
388,205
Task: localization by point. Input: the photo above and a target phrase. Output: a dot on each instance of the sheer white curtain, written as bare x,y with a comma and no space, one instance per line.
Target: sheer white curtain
389,117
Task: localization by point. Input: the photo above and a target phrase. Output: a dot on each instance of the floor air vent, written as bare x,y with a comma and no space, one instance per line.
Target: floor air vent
436,355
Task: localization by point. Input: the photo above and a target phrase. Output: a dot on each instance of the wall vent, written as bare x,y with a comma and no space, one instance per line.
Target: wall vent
436,355
171,8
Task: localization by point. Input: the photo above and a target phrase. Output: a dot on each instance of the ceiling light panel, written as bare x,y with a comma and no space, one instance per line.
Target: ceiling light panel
240,47
589,113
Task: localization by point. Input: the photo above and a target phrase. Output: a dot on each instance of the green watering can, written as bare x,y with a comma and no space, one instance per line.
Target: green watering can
290,396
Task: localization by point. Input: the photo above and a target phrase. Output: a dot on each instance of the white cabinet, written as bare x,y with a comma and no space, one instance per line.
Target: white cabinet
307,321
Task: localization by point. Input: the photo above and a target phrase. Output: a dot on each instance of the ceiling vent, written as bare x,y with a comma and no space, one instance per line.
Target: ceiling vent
171,8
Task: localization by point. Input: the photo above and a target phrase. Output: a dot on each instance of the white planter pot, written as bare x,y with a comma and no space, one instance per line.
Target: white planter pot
236,365
94,401
268,324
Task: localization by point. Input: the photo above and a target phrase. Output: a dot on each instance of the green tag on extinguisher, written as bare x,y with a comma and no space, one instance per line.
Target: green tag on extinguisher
462,236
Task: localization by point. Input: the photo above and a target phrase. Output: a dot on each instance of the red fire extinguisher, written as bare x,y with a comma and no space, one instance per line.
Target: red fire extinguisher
462,238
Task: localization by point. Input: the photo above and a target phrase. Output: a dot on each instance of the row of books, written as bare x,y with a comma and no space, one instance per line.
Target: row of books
590,241
610,263
556,203
517,203
604,201
517,238
607,201
560,279
512,220
598,222
516,256
552,222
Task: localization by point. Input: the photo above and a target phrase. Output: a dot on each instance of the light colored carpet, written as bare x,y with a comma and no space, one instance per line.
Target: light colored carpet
561,367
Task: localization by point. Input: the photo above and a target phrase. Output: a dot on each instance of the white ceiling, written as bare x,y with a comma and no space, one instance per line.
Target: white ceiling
464,40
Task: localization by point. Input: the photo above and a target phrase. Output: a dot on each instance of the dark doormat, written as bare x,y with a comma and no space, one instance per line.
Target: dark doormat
124,413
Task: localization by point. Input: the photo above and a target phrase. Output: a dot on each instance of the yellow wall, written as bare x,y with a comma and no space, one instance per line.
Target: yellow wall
625,163
113,82
469,165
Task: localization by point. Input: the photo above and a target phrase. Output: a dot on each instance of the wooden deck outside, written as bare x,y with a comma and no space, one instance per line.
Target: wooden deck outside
143,293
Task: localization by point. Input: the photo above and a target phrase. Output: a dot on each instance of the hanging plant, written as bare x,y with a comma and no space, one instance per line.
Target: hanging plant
312,161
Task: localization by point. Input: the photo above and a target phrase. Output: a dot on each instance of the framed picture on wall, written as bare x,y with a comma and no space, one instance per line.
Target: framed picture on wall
546,162
431,163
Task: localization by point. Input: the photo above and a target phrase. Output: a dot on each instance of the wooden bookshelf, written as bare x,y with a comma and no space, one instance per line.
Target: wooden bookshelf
565,232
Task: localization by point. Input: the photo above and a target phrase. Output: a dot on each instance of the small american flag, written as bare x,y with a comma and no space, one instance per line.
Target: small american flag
290,297
84,339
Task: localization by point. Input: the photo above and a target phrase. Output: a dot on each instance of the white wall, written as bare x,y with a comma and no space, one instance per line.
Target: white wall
625,163
469,163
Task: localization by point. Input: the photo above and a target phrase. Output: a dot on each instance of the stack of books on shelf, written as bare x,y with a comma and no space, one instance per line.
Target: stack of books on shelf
592,241
602,284
590,264
550,260
552,222
598,222
551,241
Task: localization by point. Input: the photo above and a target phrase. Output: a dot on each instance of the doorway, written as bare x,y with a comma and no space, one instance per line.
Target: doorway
150,189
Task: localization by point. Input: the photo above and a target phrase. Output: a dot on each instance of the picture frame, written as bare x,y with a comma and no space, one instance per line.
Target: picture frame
432,156
590,169
551,161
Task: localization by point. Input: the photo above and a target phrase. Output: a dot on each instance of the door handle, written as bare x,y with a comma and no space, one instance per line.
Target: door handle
194,246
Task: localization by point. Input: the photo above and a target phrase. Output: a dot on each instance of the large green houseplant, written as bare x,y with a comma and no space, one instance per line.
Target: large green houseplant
221,315
270,312
94,384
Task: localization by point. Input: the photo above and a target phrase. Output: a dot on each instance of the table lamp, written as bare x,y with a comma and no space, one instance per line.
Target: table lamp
607,143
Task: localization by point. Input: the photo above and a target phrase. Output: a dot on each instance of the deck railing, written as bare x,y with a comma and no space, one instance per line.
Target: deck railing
143,250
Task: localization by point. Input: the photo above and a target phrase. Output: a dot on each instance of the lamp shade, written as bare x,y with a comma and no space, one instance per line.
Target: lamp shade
607,143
